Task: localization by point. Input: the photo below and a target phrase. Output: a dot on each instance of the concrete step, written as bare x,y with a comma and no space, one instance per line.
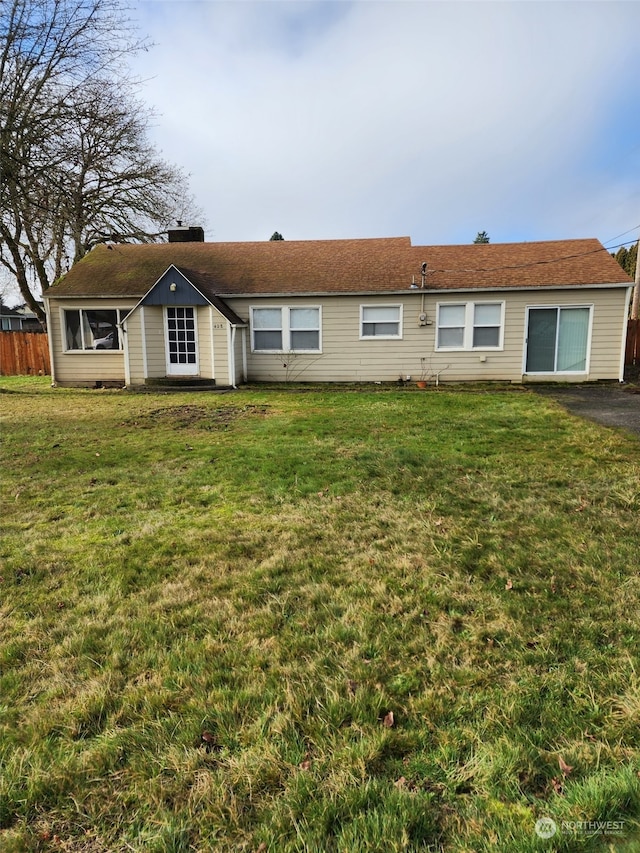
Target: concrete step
179,383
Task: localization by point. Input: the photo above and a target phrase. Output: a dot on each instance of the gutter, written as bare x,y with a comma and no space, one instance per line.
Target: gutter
431,291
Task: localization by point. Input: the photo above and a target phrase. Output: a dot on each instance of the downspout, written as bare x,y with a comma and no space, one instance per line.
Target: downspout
232,356
125,351
244,355
50,341
625,332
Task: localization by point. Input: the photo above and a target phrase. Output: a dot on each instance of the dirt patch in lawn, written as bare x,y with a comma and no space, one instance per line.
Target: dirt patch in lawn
195,417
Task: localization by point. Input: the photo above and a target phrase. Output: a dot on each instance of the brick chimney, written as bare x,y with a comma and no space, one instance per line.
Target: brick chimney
186,234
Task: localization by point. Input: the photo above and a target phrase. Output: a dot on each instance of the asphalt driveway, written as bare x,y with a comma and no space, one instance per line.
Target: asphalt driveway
613,405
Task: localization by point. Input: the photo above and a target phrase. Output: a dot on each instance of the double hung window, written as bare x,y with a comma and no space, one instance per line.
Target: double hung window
470,325
285,329
380,321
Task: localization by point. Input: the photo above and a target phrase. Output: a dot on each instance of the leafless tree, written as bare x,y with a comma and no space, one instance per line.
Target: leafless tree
76,166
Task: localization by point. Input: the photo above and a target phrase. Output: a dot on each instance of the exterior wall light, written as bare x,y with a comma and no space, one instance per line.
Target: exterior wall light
173,287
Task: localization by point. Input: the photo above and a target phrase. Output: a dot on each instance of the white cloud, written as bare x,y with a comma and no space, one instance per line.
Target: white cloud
383,118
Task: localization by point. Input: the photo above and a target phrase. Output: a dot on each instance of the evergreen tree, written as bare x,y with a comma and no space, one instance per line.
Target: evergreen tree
276,236
627,259
481,237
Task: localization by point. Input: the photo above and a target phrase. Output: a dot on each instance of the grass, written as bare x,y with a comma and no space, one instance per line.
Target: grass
332,620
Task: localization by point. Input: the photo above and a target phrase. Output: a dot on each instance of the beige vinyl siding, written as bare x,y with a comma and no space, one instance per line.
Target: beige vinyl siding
347,358
84,367
203,323
237,353
221,333
154,323
133,328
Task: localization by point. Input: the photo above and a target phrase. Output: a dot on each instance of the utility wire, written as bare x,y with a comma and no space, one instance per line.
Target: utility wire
531,263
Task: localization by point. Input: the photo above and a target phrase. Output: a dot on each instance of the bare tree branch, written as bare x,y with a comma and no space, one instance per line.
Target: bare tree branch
75,161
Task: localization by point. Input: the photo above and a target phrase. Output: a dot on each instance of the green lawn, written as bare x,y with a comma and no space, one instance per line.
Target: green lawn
320,620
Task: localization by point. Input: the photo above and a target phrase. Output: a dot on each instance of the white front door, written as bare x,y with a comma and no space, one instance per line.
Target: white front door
182,343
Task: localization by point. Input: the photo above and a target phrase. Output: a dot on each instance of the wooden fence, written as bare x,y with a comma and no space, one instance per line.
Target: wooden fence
632,356
24,354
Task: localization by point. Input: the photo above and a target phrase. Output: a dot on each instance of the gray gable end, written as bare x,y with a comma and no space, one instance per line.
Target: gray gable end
173,288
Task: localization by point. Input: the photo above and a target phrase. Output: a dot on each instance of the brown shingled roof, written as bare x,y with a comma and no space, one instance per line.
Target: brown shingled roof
339,266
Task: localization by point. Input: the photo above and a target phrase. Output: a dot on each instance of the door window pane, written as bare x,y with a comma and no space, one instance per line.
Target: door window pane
541,340
573,332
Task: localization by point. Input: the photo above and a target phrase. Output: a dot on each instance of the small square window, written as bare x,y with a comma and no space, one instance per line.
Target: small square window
380,321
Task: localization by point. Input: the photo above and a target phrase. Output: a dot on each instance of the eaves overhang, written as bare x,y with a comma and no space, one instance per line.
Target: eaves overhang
75,296
433,291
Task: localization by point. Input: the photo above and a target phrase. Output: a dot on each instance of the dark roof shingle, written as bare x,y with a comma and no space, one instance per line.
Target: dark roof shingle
376,265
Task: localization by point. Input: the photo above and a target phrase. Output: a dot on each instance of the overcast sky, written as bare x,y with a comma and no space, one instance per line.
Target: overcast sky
434,120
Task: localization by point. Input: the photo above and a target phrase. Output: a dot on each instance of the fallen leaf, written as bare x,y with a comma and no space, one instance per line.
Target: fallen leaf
305,765
388,721
352,686
509,584
564,767
209,742
401,782
261,848
557,786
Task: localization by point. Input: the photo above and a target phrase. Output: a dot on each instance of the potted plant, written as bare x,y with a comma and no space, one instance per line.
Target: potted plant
424,373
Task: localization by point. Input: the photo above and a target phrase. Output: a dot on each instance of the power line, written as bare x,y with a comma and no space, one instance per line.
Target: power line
636,228
532,263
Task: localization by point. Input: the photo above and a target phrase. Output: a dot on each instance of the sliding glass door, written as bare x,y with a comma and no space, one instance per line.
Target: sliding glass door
557,340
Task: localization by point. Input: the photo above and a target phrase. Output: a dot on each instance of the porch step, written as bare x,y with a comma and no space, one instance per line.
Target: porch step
184,383
180,382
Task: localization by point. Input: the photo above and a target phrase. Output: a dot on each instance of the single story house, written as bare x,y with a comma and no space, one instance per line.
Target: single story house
365,310
18,319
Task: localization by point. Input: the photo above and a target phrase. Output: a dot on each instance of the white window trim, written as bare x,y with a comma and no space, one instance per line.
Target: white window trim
397,337
285,316
467,333
587,362
121,314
